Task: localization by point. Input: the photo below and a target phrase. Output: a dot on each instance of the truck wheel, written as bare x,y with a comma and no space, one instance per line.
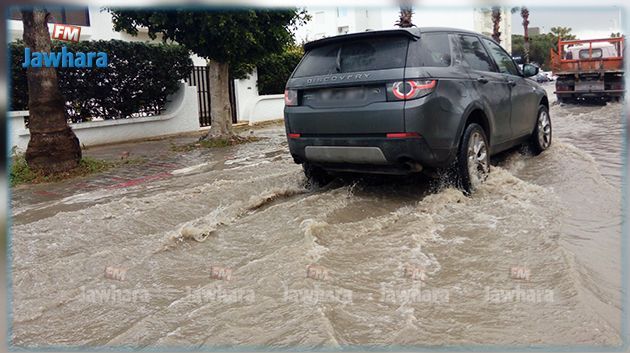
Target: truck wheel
541,138
315,176
473,159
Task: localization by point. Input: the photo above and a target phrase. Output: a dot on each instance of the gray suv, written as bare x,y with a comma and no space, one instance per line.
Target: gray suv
410,100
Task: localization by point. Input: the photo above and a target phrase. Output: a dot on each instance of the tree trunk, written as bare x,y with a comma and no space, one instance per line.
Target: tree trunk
53,146
496,23
525,16
526,50
220,107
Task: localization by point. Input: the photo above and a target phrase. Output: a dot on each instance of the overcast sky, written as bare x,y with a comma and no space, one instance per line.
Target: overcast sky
586,24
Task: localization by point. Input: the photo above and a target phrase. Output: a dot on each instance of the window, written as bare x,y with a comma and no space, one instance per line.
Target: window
342,12
432,49
475,54
503,60
78,16
374,53
596,54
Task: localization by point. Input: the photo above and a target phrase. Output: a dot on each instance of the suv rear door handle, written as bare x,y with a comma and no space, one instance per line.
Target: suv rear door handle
482,80
511,83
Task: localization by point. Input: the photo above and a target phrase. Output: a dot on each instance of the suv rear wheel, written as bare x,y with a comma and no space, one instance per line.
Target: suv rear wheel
315,176
473,159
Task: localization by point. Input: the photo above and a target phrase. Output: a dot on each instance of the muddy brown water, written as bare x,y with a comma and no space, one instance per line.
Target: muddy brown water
394,262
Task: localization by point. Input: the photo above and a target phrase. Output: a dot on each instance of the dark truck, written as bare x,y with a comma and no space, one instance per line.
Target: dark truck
589,69
411,100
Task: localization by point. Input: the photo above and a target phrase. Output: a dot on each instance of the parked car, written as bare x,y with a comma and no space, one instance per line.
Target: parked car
549,75
409,100
541,78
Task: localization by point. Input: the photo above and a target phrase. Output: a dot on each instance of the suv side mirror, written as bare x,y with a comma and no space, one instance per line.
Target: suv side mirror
530,70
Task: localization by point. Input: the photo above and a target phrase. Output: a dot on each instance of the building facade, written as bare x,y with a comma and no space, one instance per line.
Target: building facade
328,22
484,24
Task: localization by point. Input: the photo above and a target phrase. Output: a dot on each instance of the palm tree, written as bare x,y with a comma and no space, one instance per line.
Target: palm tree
525,16
561,33
404,21
496,22
53,146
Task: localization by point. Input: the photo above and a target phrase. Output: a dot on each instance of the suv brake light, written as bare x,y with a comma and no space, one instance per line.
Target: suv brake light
402,135
290,97
410,89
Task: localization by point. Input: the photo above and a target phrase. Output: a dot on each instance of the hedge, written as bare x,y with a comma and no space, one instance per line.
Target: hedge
137,81
275,69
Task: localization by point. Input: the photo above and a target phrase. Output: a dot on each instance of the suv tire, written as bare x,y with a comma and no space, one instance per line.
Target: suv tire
473,159
541,138
315,176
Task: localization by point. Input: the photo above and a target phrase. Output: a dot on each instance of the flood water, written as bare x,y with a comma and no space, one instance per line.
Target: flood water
533,257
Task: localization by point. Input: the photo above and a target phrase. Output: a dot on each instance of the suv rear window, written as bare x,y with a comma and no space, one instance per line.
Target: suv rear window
432,49
376,53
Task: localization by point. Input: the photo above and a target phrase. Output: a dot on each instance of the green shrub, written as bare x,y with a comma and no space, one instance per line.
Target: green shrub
20,173
137,81
275,69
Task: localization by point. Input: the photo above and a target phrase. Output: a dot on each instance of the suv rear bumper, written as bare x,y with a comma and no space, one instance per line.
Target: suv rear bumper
369,154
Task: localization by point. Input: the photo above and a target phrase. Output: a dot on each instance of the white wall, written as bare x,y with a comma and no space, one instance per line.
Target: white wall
246,91
268,107
253,107
181,115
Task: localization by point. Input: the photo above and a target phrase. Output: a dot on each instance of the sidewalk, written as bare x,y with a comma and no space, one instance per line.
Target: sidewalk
149,161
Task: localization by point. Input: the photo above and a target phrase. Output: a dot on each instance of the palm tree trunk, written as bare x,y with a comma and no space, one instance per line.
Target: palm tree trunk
53,146
525,16
496,23
220,107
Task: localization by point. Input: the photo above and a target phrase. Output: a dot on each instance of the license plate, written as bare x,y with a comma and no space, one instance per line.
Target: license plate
589,86
342,94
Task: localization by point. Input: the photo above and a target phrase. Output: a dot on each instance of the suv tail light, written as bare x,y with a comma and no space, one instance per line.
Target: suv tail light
410,89
290,97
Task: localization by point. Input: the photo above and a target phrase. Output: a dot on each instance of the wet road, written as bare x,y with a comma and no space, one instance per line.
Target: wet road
533,257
